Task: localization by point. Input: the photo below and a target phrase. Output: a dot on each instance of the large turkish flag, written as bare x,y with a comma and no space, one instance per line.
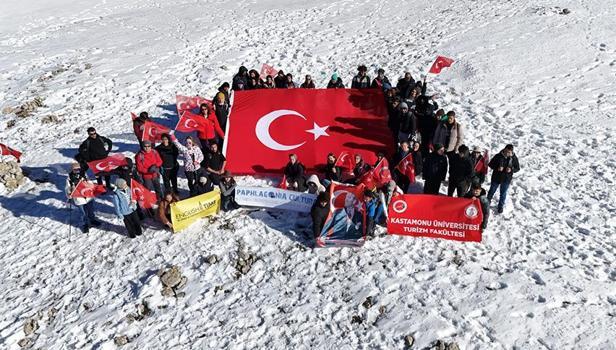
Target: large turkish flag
265,126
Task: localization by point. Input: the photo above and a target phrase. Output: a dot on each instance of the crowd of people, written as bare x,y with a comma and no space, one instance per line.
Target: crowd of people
433,139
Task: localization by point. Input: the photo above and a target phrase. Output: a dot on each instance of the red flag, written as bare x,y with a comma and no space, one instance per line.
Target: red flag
265,126
266,70
482,165
113,161
133,116
86,189
8,151
407,168
345,161
283,183
440,63
189,122
457,219
188,103
153,131
346,222
377,176
145,197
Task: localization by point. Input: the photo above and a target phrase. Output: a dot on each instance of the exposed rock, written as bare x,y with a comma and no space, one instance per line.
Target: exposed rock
356,319
168,292
8,110
171,277
565,11
409,341
25,343
51,314
30,326
244,261
76,131
367,303
26,109
11,123
121,340
50,119
453,346
440,345
212,259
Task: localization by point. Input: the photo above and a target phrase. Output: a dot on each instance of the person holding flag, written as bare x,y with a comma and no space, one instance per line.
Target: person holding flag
84,204
126,208
192,160
209,130
138,124
148,163
332,171
95,147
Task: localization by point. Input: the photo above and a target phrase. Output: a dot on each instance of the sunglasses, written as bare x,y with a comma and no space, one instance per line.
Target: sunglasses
147,146
92,133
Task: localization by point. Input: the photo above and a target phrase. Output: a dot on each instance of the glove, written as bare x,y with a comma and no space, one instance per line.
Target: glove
153,169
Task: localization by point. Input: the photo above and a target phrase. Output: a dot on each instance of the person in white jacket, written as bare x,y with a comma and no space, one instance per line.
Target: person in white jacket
192,161
85,205
314,185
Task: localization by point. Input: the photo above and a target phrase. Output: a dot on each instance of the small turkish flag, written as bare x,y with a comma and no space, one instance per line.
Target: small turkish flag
86,189
407,168
113,161
8,151
188,103
377,176
266,125
189,122
153,131
133,116
283,183
266,70
345,161
440,63
145,197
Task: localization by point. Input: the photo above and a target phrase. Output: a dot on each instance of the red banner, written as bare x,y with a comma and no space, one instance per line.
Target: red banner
86,189
152,131
8,151
108,164
145,197
421,215
188,103
189,122
346,223
266,70
265,126
440,63
133,116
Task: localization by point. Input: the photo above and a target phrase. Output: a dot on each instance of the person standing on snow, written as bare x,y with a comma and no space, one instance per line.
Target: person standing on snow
126,208
435,170
269,83
450,134
210,131
85,205
332,171
381,81
308,83
290,83
169,154
95,147
335,82
148,163
408,124
361,80
406,85
480,165
214,164
478,192
503,166
460,172
138,125
280,81
192,160
319,213
221,110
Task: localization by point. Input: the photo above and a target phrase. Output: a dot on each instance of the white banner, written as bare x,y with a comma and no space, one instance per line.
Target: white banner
276,198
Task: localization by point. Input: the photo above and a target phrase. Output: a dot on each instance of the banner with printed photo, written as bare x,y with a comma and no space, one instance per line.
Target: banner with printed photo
345,225
275,198
187,211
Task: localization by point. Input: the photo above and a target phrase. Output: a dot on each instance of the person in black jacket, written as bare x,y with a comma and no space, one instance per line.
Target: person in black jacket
332,171
503,166
214,164
308,83
381,81
435,170
408,125
227,192
221,108
319,213
280,80
478,192
169,154
138,125
417,158
240,80
361,80
425,106
224,88
405,85
460,172
294,173
401,179
360,169
204,185
95,147
335,82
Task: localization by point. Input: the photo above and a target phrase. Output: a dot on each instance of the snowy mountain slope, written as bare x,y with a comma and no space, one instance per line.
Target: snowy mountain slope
525,73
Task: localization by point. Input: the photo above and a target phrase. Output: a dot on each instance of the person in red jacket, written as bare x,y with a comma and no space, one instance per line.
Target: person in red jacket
210,132
138,125
148,164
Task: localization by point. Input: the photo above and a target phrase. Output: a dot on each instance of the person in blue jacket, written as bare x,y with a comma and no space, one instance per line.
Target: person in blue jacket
126,208
374,211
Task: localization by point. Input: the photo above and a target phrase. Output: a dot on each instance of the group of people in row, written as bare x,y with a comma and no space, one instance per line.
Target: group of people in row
433,139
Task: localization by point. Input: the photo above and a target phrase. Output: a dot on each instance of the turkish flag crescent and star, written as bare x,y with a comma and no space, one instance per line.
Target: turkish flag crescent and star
422,215
188,103
440,63
145,197
86,189
113,161
153,131
8,151
189,122
265,126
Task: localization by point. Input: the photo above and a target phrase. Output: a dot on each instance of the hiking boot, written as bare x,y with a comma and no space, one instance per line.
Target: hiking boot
500,210
85,229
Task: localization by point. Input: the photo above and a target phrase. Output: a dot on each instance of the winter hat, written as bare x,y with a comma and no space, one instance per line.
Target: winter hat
203,179
404,105
75,166
335,76
120,182
438,146
146,143
476,149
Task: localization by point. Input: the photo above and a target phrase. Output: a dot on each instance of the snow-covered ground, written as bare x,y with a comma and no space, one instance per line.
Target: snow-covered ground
544,276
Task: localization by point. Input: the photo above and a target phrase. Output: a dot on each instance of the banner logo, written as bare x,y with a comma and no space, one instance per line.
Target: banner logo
399,206
471,211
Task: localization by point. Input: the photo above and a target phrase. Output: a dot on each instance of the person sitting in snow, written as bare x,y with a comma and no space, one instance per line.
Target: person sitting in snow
204,185
294,174
478,192
359,170
164,209
314,185
332,171
227,192
85,205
